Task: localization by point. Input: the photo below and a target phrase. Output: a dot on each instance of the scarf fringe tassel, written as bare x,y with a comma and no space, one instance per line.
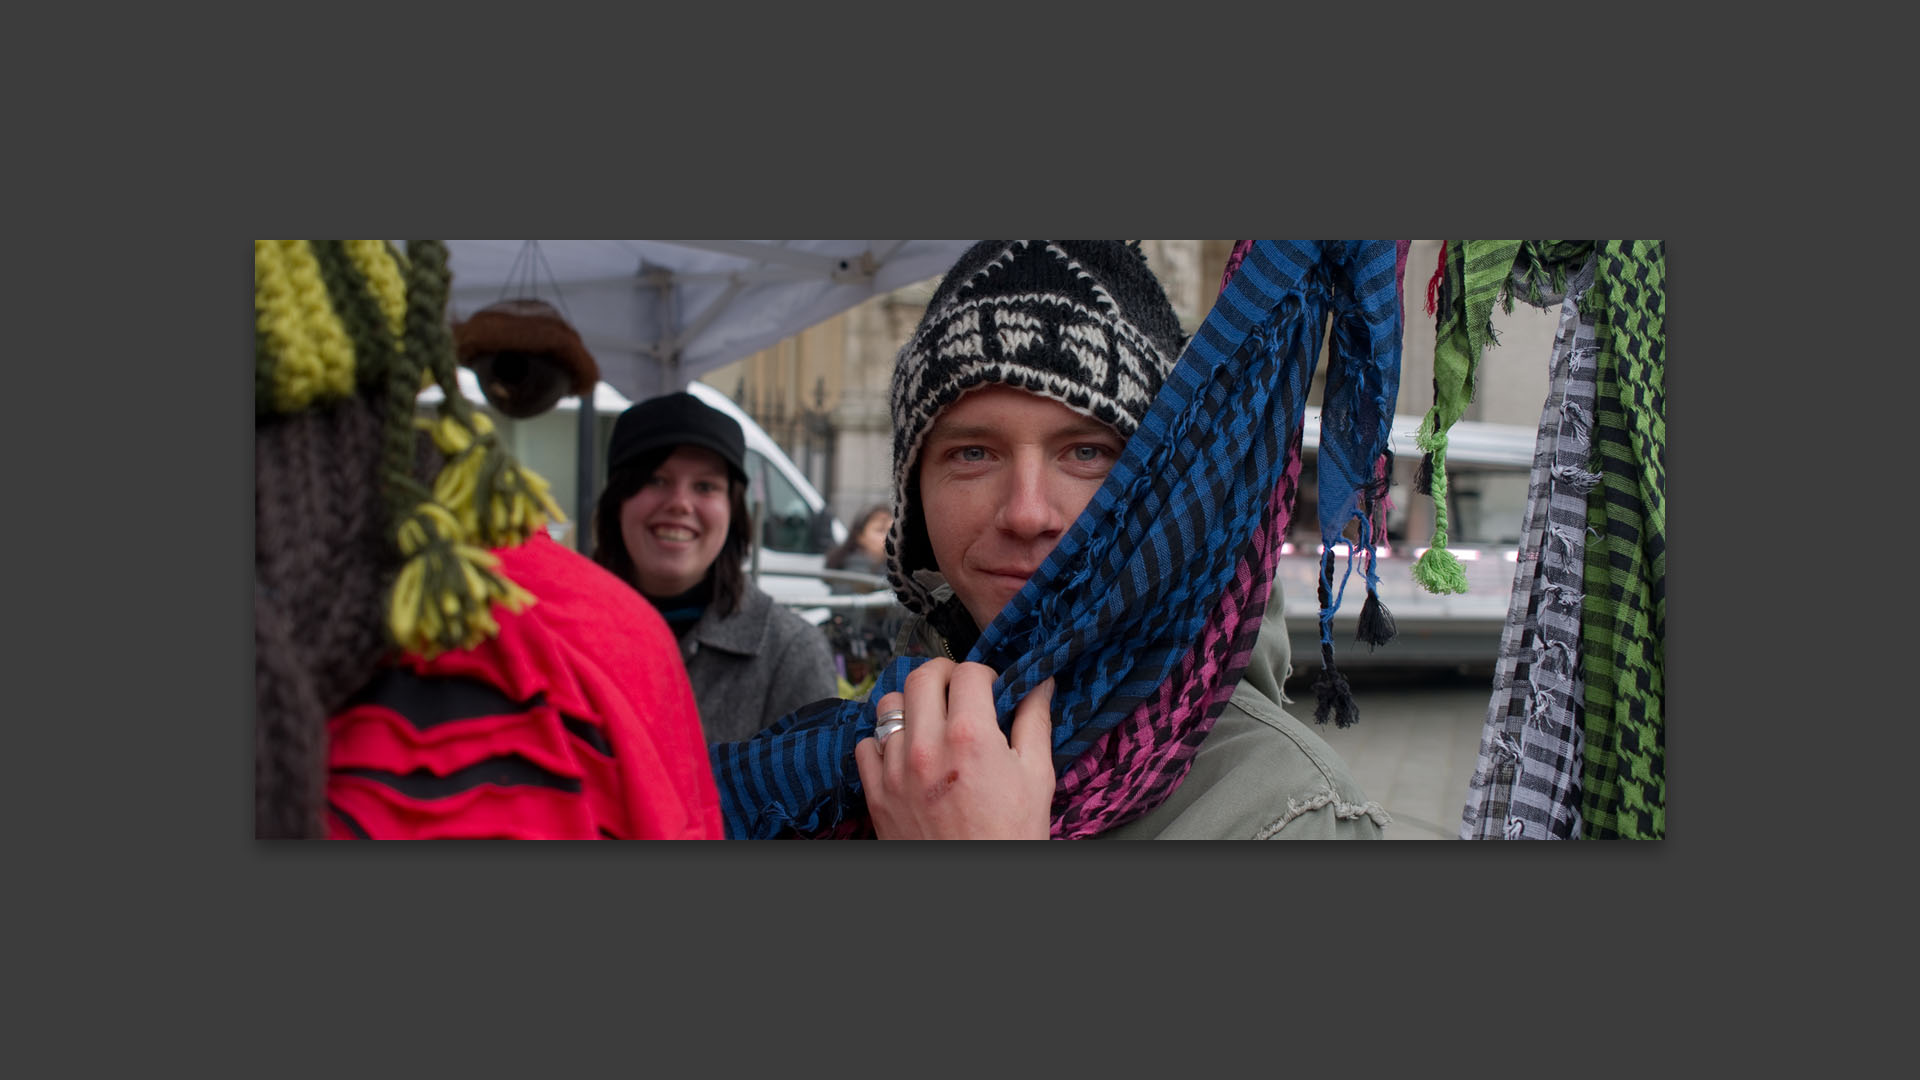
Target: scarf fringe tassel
1333,696
1376,622
1439,572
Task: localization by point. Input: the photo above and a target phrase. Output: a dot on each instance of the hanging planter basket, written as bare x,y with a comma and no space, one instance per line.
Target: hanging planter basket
526,356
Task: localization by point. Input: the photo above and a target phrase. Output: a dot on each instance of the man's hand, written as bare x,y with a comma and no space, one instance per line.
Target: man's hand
949,774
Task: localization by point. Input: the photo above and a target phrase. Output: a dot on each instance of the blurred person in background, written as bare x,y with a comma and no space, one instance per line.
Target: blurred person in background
672,522
865,548
862,638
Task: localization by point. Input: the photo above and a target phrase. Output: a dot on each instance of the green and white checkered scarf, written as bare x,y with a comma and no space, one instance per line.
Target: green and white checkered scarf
1622,626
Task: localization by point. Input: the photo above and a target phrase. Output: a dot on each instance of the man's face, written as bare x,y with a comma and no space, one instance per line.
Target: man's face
1003,473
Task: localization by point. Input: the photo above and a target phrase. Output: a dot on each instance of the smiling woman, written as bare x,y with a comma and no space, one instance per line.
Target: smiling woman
672,522
675,525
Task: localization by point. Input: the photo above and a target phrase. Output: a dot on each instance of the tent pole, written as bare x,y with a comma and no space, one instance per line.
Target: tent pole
583,501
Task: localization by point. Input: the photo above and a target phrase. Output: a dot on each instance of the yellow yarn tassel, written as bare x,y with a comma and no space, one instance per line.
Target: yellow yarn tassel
446,588
496,500
518,505
457,487
448,433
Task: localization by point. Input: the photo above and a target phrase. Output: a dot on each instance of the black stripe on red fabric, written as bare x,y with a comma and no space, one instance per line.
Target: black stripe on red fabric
429,701
509,771
588,733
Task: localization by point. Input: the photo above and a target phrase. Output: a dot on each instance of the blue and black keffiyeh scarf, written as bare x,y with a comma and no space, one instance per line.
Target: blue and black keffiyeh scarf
1171,558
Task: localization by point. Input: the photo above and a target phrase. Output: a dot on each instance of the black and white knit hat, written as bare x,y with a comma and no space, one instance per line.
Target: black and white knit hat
1083,322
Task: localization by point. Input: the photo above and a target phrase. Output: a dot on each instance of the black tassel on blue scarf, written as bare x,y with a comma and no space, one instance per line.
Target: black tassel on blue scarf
1330,689
1376,622
1332,694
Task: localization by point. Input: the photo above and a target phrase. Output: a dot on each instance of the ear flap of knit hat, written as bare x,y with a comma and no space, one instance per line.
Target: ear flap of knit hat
1082,322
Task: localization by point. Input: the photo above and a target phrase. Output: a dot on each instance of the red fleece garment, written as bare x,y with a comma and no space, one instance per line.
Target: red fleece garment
576,721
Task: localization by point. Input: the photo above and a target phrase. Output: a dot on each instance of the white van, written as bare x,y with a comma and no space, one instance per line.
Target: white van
797,529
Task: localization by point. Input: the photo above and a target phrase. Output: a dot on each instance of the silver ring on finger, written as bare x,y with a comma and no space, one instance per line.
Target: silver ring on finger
890,721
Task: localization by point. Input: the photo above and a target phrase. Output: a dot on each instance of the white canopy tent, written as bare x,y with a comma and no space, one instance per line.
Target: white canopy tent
658,314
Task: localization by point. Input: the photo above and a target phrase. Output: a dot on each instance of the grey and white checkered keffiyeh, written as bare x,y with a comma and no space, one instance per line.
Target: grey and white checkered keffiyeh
1526,782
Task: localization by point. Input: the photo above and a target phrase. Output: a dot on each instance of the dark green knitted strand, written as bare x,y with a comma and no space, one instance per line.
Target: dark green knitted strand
441,357
398,451
374,349
428,335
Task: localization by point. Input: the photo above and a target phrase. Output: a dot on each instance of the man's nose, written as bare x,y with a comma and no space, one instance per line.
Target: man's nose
1030,509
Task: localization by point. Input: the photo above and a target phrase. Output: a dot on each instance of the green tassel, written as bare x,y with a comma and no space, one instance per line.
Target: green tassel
1439,572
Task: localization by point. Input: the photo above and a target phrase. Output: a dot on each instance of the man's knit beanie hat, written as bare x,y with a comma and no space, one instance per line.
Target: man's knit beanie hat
1083,322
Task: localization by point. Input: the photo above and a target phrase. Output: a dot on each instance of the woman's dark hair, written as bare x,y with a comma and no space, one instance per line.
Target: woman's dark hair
837,558
728,573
